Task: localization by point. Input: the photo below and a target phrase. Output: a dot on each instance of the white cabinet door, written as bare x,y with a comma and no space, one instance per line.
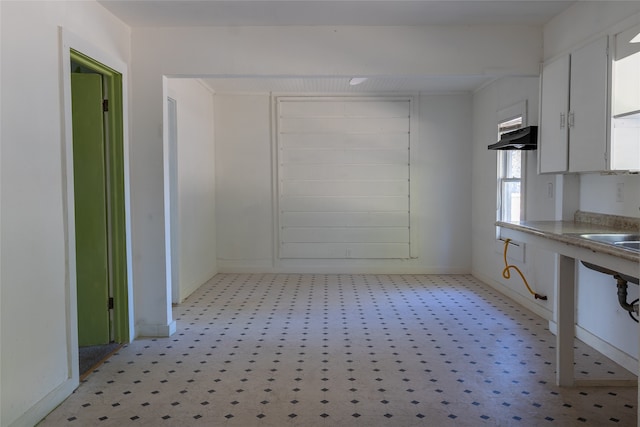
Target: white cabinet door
588,108
573,121
553,148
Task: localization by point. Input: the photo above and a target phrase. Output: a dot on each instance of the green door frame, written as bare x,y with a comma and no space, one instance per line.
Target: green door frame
116,192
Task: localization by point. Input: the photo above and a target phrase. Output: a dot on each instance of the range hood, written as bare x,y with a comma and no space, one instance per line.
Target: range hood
521,139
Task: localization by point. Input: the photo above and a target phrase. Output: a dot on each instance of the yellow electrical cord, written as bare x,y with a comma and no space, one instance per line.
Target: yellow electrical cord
507,275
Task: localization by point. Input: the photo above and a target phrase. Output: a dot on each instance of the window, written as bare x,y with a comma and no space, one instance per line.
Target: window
511,163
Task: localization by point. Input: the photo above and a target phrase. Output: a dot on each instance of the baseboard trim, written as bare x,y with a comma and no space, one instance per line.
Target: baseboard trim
245,266
620,357
146,330
605,383
42,408
526,302
368,269
294,266
186,293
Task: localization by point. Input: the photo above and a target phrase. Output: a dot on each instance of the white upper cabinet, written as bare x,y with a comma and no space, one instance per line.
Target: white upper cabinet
574,111
588,107
553,149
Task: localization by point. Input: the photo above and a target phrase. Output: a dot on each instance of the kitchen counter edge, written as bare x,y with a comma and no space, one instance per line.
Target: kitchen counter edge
569,232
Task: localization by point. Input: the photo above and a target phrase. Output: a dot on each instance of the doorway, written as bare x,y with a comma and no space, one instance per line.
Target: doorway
99,207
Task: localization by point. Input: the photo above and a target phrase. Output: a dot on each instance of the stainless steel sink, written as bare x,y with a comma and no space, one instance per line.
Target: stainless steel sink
626,240
631,244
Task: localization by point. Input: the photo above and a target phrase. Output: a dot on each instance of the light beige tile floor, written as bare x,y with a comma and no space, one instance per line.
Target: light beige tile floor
347,350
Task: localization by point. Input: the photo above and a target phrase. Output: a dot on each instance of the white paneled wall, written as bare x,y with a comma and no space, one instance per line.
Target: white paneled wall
343,168
248,179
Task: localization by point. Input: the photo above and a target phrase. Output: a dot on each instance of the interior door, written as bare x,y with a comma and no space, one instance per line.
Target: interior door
90,209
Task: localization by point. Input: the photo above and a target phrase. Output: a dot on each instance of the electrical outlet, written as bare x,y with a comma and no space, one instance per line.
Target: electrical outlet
620,192
550,190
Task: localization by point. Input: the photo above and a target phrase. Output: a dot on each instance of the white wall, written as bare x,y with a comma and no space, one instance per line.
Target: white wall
244,215
196,237
599,313
280,51
599,193
487,255
440,162
436,50
36,356
584,20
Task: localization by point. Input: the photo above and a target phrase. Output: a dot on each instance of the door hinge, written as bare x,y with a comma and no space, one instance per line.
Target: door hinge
105,105
110,304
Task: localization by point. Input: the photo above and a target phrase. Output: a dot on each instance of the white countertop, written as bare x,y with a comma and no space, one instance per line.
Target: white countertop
568,232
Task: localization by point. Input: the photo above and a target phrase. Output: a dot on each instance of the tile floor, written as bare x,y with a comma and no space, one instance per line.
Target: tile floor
347,350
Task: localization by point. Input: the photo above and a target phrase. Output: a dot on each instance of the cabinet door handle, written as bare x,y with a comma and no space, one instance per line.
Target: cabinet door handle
561,120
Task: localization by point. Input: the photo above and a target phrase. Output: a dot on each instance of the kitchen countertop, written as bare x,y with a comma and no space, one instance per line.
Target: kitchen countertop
568,232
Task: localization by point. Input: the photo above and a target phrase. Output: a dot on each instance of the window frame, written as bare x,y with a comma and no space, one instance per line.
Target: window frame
505,115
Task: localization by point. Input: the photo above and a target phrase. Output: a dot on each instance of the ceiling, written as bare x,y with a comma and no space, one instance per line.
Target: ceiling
139,13
189,13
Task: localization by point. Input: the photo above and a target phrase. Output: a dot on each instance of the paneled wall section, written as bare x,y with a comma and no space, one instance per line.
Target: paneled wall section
343,177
